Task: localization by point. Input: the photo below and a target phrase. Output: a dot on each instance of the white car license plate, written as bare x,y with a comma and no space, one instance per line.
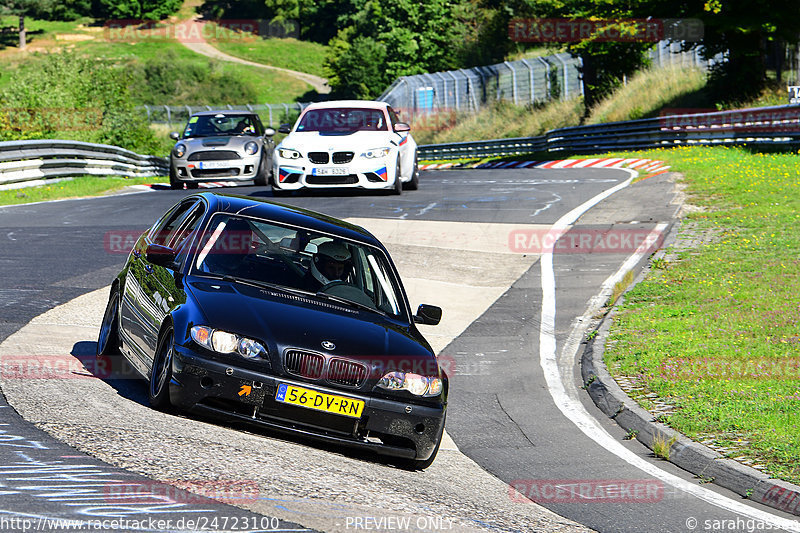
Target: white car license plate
214,164
330,171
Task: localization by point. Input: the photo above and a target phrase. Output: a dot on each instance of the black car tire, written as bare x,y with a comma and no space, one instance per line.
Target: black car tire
262,176
398,185
161,372
174,182
108,339
413,183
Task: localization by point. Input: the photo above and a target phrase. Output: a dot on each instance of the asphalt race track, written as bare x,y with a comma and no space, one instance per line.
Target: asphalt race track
515,311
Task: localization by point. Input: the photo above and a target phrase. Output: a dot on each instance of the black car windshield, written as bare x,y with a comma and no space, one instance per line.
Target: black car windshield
343,120
220,124
295,259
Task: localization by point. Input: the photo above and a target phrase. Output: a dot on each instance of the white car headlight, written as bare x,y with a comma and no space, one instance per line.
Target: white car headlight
413,383
251,148
224,342
288,153
375,153
179,150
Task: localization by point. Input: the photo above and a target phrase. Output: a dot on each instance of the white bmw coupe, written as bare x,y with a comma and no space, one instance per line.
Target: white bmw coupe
346,144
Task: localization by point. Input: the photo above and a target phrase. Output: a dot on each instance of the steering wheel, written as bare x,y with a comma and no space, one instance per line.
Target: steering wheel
332,284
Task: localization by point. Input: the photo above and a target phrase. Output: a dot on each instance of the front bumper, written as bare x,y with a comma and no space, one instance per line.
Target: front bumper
386,426
244,169
293,174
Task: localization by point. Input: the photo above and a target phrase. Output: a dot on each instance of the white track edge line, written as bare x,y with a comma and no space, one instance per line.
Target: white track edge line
584,421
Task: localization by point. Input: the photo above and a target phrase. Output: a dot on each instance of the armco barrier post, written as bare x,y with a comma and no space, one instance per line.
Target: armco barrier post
548,90
455,89
530,79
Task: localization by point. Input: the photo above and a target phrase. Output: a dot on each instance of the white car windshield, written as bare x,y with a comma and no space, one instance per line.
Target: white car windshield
343,120
220,125
259,251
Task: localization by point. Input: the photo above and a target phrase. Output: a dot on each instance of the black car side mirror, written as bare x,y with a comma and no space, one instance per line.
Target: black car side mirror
428,314
174,135
160,255
285,128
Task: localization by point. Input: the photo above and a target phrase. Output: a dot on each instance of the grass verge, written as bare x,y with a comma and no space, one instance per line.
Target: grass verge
289,53
77,188
713,331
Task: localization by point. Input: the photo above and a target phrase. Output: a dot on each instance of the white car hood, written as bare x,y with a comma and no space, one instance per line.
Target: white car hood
313,141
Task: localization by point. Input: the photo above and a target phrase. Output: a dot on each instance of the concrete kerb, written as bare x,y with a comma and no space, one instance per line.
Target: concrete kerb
705,463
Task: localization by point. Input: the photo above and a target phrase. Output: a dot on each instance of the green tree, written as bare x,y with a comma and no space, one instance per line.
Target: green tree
21,9
136,9
740,30
386,40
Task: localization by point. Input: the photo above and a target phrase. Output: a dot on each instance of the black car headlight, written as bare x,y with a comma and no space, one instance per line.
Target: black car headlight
414,383
251,148
179,150
224,342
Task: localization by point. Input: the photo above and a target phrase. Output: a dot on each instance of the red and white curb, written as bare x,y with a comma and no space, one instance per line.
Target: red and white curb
647,166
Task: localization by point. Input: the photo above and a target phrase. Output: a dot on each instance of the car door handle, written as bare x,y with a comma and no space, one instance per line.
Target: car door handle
137,254
148,268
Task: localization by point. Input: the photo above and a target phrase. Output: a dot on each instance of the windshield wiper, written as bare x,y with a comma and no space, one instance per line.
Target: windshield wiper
255,283
341,300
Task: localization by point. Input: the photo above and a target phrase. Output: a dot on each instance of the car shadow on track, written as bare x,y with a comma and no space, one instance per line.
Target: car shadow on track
116,372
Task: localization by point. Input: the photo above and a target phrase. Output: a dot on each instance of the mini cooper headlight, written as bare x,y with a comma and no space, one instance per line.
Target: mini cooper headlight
413,383
179,150
251,148
375,153
288,153
224,342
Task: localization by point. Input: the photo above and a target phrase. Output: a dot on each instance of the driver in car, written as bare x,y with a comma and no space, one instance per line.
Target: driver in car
331,262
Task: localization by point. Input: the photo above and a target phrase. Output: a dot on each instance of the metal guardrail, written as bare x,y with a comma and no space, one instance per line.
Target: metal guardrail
771,126
31,160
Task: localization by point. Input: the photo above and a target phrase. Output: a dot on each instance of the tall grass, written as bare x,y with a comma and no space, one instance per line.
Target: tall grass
647,92
501,119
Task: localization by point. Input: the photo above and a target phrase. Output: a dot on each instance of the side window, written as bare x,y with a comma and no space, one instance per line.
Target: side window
163,232
259,125
186,226
393,117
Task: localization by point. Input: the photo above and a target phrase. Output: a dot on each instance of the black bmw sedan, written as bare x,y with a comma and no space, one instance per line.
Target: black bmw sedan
281,317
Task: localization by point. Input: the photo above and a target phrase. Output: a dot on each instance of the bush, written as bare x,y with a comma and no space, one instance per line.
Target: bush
171,78
67,96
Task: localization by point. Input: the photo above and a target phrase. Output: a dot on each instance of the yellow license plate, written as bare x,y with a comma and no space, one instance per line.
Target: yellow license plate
329,403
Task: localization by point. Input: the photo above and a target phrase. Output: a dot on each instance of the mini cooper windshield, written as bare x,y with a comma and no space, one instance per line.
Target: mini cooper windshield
256,251
220,125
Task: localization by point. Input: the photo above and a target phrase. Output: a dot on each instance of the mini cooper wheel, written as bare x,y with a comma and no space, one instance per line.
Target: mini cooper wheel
262,176
174,182
161,372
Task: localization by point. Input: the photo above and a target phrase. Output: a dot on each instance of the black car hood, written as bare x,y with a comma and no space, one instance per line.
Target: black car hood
284,321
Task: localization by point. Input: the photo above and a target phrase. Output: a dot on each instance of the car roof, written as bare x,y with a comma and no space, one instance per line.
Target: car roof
291,215
224,112
367,104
